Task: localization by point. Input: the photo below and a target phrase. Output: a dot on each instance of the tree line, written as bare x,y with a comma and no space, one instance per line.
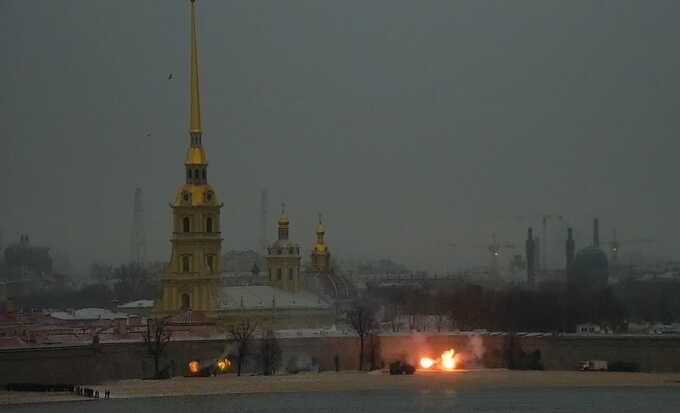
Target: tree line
109,285
470,306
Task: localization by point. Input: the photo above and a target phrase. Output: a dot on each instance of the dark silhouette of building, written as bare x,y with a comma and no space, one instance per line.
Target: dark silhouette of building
531,258
570,248
23,259
589,270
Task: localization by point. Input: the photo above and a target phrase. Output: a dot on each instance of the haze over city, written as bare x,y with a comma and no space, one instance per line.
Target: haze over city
386,206
407,126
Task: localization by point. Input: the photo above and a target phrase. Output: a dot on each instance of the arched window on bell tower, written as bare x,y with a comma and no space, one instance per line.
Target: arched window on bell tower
209,224
186,224
186,263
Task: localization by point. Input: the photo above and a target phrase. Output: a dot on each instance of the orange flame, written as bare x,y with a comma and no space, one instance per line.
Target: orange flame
426,362
223,364
446,361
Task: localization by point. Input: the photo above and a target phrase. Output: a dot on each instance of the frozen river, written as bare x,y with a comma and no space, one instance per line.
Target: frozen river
604,399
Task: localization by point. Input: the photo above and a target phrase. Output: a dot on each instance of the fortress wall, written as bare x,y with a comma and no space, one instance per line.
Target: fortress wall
113,361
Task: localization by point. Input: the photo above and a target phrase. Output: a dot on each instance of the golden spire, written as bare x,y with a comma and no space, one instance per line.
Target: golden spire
195,96
195,153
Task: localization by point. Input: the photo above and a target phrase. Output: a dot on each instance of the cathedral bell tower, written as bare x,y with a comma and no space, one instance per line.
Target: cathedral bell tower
192,278
321,256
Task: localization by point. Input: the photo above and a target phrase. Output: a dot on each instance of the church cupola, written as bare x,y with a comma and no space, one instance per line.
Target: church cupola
284,224
320,254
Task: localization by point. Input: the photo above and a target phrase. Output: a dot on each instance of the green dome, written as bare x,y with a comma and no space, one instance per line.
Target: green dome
590,269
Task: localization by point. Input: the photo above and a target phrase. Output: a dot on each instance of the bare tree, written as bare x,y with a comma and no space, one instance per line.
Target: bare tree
270,352
374,351
362,320
440,308
242,333
156,337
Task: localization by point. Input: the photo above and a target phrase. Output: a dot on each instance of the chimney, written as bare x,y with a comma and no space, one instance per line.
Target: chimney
596,233
531,256
570,247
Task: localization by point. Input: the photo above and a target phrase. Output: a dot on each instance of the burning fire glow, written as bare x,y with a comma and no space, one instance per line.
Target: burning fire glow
447,361
194,367
426,362
223,364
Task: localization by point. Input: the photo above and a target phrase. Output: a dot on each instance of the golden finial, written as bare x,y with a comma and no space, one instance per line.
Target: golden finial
195,96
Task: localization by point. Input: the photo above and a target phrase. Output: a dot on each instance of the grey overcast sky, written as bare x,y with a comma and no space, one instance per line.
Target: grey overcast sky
409,124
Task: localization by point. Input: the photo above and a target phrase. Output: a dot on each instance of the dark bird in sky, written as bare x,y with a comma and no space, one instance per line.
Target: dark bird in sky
170,76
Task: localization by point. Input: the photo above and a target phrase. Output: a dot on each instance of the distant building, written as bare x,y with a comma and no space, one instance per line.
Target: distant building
590,328
23,258
589,269
28,269
530,251
141,308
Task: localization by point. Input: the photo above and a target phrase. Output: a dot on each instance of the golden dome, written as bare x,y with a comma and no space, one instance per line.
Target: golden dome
196,156
196,195
283,221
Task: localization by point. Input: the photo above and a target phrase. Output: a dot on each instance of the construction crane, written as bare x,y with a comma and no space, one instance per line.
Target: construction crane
615,245
496,249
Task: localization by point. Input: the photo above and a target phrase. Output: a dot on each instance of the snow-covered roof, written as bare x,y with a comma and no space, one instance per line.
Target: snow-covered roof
138,304
88,314
267,297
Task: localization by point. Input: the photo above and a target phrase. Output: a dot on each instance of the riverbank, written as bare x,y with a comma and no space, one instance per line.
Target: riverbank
473,380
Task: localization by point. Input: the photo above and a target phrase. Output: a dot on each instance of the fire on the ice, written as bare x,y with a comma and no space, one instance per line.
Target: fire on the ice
447,361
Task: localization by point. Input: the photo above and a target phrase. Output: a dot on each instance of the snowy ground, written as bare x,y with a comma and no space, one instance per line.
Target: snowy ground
472,380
